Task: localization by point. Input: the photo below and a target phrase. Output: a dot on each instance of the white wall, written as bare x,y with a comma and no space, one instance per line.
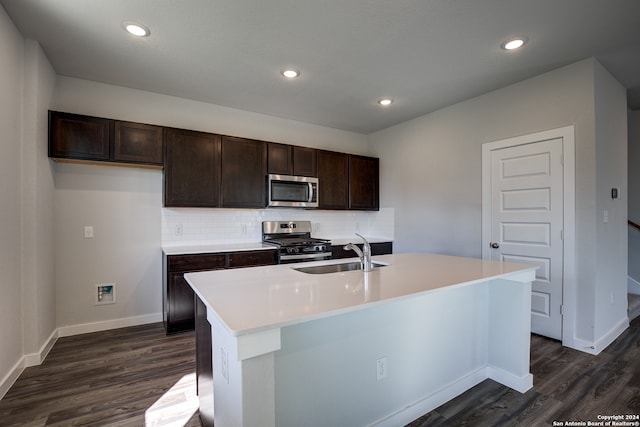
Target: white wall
37,198
633,194
27,305
11,70
431,172
611,172
96,99
124,205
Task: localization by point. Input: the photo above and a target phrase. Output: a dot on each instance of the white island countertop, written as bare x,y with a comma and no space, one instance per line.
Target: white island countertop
255,299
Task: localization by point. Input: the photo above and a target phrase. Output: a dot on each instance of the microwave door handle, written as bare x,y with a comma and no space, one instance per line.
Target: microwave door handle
310,191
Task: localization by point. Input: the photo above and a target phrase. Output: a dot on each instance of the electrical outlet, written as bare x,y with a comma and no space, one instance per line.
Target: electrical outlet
178,230
224,364
88,232
381,368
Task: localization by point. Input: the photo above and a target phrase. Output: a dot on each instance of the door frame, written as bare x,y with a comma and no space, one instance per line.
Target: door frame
569,215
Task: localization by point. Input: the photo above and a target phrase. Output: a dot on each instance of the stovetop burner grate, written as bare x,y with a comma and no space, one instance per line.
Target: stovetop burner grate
295,241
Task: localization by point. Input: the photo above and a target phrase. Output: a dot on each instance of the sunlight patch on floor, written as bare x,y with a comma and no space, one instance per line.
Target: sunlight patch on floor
176,406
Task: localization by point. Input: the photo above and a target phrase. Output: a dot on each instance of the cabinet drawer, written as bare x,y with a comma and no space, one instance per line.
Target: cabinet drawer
252,258
196,262
378,248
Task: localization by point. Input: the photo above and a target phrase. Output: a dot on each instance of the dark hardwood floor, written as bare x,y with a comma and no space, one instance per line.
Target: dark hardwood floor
140,377
134,376
568,385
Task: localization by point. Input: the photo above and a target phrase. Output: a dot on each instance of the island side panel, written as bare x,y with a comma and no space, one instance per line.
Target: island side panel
435,346
510,334
243,376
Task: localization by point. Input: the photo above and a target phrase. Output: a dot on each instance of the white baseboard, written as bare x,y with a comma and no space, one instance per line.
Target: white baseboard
521,384
85,328
604,341
35,359
601,343
633,285
25,361
429,403
11,377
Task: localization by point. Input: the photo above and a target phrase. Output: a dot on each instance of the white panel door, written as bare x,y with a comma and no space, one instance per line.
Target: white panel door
526,222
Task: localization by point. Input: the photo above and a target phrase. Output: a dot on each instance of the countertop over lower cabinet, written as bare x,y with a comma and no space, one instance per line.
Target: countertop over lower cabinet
205,248
214,248
359,349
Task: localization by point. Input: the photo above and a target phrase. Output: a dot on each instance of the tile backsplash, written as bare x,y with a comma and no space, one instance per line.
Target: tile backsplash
186,226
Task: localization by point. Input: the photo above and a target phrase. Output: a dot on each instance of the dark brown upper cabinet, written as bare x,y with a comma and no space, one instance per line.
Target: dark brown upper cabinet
73,136
137,143
279,159
305,161
243,172
192,169
364,183
78,137
291,160
333,180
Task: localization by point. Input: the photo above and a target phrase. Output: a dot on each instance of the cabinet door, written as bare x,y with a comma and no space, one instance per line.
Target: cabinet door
279,159
74,136
244,166
191,169
363,183
180,310
333,180
304,161
137,143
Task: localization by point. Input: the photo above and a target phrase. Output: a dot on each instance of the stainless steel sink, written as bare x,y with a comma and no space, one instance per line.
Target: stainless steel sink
336,268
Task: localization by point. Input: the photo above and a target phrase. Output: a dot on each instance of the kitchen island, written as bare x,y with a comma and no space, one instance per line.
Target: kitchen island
356,349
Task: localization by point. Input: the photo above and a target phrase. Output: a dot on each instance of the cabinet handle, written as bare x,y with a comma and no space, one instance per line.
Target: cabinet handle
494,245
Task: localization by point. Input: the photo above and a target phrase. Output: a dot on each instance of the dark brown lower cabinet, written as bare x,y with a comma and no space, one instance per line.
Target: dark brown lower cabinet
178,297
204,364
381,248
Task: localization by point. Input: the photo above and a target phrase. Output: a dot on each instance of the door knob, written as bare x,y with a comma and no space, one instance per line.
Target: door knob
495,245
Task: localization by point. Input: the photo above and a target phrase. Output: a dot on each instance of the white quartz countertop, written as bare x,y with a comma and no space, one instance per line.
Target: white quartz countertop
254,299
339,241
251,246
215,248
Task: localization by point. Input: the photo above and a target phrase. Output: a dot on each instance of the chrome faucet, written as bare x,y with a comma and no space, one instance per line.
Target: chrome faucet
364,255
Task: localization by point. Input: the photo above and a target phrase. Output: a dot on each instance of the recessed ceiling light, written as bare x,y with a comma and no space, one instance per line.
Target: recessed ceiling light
136,29
514,43
290,73
386,101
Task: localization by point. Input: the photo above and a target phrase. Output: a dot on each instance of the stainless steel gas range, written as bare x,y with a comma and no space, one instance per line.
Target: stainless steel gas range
293,238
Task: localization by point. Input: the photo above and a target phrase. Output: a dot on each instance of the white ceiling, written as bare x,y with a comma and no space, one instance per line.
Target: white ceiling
425,54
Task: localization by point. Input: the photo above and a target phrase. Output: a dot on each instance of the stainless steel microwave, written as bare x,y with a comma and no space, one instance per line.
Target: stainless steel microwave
292,191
